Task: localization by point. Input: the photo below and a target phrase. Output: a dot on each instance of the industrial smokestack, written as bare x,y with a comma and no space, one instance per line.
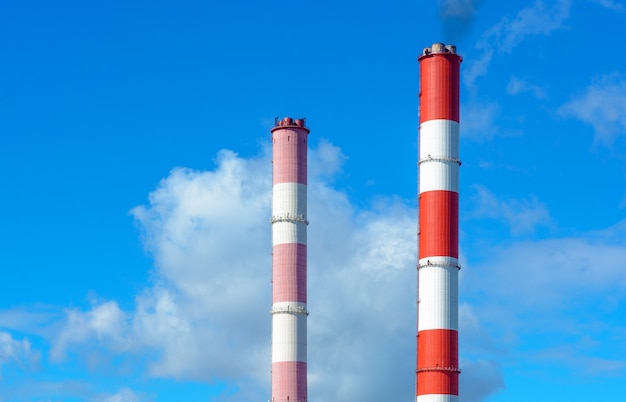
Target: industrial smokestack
437,374
289,227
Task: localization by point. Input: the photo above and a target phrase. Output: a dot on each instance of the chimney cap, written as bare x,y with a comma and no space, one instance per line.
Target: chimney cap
288,122
439,47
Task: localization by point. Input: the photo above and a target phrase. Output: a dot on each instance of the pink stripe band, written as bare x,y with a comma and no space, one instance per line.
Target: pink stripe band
289,155
289,382
289,273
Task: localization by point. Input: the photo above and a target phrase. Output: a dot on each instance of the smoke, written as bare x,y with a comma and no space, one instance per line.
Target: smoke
457,17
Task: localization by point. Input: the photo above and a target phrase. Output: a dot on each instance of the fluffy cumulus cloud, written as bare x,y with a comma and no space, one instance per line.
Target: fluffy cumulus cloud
207,315
541,18
362,300
104,323
602,105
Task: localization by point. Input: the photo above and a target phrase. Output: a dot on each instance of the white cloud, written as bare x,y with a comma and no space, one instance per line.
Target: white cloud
326,161
535,20
480,374
477,66
610,4
362,299
123,395
33,320
517,86
504,36
105,323
17,351
478,120
479,379
576,266
522,216
207,316
572,356
557,299
32,390
603,105
474,340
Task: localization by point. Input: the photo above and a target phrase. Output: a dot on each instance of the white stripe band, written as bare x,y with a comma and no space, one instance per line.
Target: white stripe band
439,175
289,213
289,199
288,333
439,138
439,156
438,293
288,232
437,398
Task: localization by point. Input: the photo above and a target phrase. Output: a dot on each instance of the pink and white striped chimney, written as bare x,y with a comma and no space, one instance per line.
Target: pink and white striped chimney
437,374
289,257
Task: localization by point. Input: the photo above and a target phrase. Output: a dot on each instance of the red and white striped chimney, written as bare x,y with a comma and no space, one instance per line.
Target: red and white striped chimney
437,374
289,227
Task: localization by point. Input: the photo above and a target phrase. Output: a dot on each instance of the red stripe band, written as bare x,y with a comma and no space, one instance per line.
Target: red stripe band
438,362
439,87
439,224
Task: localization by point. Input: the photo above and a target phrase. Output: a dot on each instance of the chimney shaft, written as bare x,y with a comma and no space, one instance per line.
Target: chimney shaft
437,374
289,257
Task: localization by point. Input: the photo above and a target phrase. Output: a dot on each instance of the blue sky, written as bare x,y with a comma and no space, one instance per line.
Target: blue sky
134,142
